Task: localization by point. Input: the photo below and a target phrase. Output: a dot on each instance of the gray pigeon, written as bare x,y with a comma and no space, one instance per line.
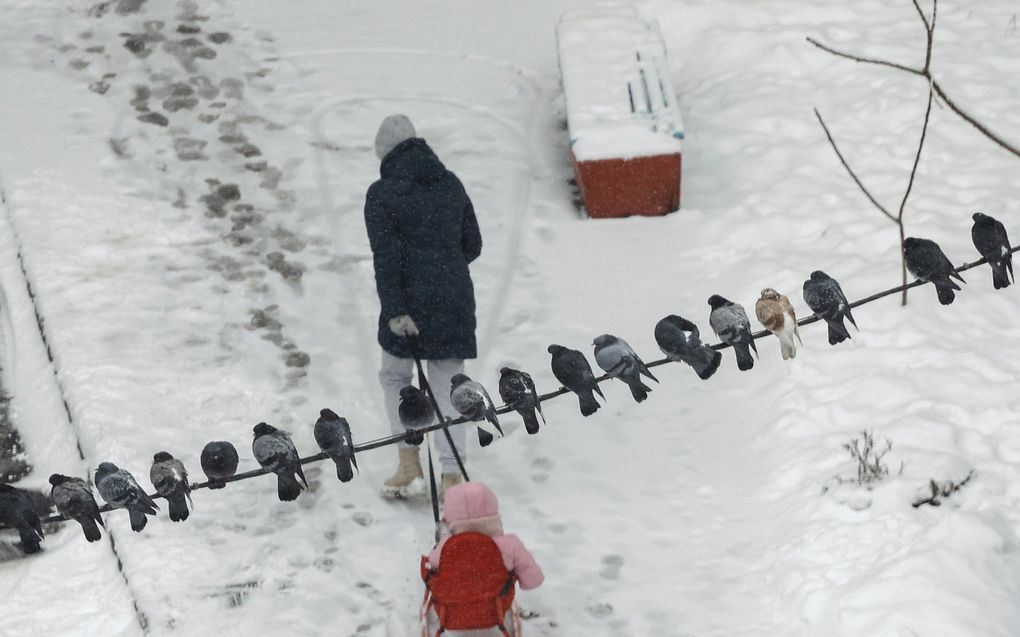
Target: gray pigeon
120,489
17,512
991,241
219,462
826,299
926,260
333,435
74,500
619,360
171,481
730,323
680,341
471,400
572,369
518,392
275,452
415,412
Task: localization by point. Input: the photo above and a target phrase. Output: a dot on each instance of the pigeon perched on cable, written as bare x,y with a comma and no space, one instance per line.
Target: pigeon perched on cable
121,491
730,323
572,369
74,500
619,360
680,340
990,239
171,481
471,400
926,261
17,511
826,299
416,413
518,392
775,312
275,452
333,435
219,462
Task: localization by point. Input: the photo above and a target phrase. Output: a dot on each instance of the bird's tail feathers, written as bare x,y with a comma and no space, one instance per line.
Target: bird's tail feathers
178,508
598,391
1000,278
588,403
837,331
956,275
287,487
744,359
91,530
344,471
638,390
484,437
786,344
138,520
945,291
530,421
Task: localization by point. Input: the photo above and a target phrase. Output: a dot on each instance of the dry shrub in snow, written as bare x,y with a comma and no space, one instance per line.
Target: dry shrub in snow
870,468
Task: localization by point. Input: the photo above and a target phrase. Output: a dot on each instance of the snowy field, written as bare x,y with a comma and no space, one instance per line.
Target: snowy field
183,186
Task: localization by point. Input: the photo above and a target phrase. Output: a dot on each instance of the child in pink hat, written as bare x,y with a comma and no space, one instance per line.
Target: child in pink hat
472,506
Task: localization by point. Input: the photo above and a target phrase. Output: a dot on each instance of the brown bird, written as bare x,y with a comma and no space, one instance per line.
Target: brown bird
776,314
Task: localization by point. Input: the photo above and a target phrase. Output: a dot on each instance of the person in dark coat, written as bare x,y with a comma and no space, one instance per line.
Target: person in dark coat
424,233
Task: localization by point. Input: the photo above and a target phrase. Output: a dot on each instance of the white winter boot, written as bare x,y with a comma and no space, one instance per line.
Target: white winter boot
408,481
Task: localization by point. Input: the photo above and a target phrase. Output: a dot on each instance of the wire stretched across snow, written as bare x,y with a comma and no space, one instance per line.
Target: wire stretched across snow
393,439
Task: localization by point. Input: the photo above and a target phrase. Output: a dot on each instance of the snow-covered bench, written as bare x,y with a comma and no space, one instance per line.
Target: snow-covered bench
625,127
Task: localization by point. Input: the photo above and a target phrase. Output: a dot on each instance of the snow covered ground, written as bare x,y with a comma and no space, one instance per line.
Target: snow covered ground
197,277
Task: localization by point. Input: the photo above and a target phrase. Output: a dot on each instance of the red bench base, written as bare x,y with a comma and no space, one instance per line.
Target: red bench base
622,187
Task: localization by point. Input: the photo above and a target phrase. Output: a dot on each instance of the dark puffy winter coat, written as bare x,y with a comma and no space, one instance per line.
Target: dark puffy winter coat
424,234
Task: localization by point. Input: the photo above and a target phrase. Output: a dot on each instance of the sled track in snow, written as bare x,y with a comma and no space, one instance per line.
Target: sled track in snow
7,222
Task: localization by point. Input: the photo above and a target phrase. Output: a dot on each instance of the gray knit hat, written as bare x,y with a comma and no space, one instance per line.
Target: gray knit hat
393,130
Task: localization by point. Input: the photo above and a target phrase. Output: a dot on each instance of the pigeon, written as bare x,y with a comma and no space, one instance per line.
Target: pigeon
17,512
518,392
680,341
776,314
219,462
275,452
120,489
730,323
333,435
826,299
927,262
471,400
572,369
619,360
990,239
416,412
75,501
171,481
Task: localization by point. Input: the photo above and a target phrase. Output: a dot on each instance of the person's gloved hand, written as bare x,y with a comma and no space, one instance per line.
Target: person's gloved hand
403,326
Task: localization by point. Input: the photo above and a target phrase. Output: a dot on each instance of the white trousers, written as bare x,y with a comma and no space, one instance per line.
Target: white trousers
396,373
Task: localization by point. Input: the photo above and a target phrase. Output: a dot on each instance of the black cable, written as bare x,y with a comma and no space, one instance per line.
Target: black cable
393,439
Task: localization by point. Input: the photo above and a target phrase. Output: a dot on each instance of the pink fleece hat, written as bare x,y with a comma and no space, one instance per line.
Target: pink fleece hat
469,500
472,506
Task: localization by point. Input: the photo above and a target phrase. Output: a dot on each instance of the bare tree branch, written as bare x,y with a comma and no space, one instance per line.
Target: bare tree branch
857,58
927,27
851,171
973,122
917,158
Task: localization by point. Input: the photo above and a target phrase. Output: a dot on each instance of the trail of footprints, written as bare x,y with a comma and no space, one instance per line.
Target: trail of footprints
190,122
